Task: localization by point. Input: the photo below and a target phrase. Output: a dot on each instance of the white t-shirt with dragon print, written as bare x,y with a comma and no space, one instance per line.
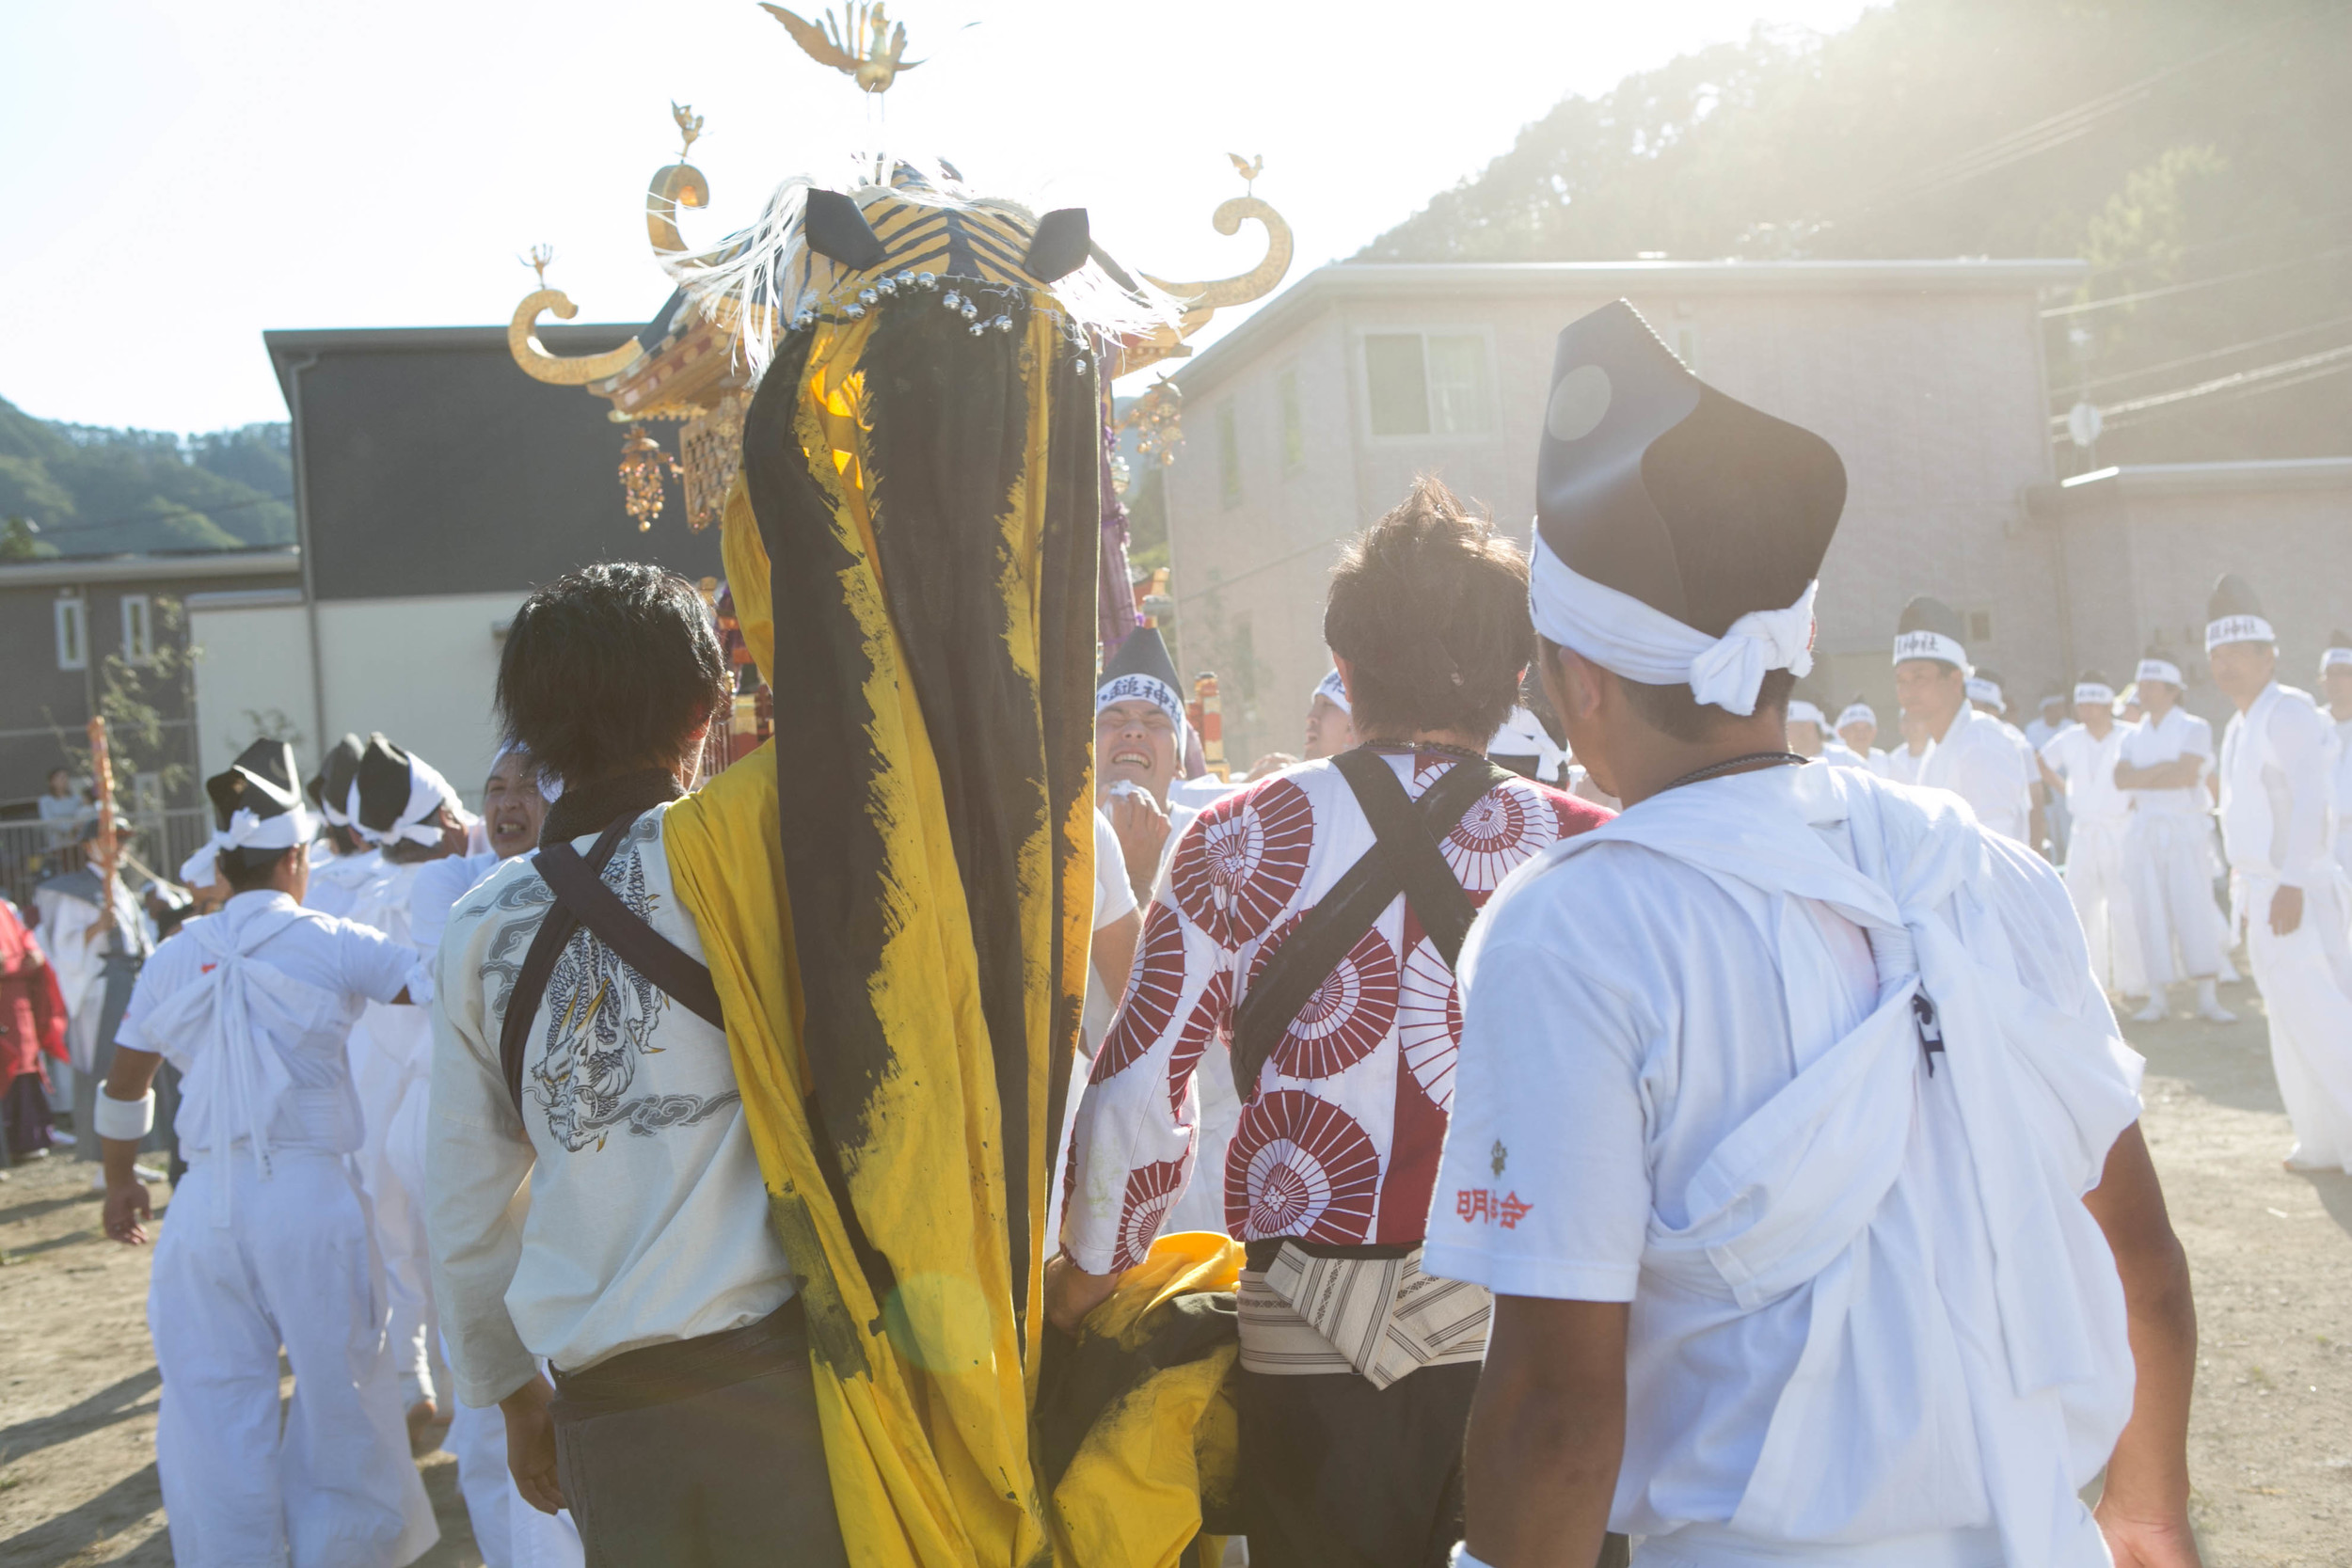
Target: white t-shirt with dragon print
625,1208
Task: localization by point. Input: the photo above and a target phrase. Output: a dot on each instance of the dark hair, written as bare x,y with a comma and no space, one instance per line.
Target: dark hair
608,668
248,870
1674,711
1428,605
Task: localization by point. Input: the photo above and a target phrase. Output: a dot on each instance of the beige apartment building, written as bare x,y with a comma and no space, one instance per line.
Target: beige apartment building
1308,420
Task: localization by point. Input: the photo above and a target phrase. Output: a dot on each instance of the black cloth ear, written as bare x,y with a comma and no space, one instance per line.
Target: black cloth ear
839,232
1059,246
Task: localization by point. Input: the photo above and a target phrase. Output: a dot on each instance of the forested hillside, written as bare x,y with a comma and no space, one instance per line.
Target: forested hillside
93,491
2193,150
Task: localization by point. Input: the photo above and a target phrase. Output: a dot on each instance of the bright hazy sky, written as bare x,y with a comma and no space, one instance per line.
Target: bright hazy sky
181,177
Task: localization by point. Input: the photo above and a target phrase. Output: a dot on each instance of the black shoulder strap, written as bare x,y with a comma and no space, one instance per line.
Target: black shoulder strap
628,935
530,982
1405,857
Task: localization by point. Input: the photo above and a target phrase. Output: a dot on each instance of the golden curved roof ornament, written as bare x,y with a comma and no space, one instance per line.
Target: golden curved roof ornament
1200,301
578,369
676,185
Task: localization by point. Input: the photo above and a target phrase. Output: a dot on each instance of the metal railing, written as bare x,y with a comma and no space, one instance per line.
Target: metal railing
31,853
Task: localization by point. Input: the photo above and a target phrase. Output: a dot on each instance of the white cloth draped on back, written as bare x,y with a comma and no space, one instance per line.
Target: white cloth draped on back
235,1083
1828,1183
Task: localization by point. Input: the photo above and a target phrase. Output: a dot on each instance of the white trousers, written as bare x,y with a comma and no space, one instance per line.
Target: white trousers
392,1062
2171,894
2306,981
2101,891
1719,1546
285,1260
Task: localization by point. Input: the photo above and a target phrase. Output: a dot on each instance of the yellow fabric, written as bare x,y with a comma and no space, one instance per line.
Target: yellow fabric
1131,1496
925,1401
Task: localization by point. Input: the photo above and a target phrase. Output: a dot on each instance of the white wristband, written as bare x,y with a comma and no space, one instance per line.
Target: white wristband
1462,1558
123,1120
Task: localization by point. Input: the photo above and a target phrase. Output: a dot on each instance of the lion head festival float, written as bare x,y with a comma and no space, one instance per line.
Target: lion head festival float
893,393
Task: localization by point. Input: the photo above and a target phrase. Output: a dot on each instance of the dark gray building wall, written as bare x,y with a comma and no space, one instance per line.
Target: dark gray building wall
429,463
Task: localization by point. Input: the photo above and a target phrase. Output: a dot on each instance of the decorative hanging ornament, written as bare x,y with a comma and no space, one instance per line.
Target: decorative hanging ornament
643,467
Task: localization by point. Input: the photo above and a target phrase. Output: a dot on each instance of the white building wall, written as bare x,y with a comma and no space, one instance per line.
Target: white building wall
252,668
422,670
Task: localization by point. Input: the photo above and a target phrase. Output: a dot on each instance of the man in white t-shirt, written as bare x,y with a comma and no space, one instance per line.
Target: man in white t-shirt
2335,684
1749,1304
1858,727
2162,767
2278,767
1966,751
2078,763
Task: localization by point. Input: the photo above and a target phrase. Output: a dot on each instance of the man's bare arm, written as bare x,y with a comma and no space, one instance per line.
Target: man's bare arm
2144,1507
127,1208
1546,1431
2181,773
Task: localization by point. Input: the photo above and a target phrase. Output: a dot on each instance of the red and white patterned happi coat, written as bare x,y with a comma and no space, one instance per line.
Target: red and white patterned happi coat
1339,1142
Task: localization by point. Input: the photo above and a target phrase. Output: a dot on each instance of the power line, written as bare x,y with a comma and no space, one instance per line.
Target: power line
2209,354
151,517
2280,386
2327,361
2170,289
1261,567
2058,130
2266,232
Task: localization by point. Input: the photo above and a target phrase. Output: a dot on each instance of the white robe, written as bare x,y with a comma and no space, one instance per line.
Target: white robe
2278,762
1983,761
2097,871
268,1246
2166,855
1869,1305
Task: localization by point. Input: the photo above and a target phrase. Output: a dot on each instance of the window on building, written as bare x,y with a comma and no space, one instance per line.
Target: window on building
1227,455
73,633
1687,345
1433,384
1979,627
138,638
1293,423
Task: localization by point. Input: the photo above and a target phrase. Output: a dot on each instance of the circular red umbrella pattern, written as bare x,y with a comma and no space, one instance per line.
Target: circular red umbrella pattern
1206,1023
1150,1191
1494,835
1240,868
1158,978
1429,1022
1347,1017
1300,1165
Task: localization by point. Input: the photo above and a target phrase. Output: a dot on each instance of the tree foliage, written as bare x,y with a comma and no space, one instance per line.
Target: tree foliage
2166,142
94,491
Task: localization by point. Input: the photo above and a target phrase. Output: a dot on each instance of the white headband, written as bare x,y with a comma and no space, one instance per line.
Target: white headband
1931,644
1627,638
2238,628
428,792
1983,690
1857,713
1150,688
2157,669
2335,658
2095,694
202,869
1336,690
1802,712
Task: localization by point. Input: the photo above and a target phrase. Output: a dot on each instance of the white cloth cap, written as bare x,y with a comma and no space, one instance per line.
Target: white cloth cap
2238,628
428,792
2335,658
202,869
1332,686
1151,688
1983,690
2095,694
1931,644
1802,712
1857,713
2158,670
1627,638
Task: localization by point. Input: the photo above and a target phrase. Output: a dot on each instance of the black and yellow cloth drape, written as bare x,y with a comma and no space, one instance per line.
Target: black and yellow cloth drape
897,902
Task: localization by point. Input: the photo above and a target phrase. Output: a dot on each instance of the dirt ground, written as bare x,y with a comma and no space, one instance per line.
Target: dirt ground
2270,1449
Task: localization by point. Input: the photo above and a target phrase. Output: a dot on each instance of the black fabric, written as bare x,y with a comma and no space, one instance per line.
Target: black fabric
838,231
1927,614
1142,651
681,1369
589,808
332,782
383,779
1654,484
726,1476
947,415
1059,245
531,983
2233,595
1083,1377
1404,859
260,780
580,890
1336,1473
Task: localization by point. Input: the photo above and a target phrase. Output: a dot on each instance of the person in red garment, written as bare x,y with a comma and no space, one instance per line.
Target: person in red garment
32,1025
1281,926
